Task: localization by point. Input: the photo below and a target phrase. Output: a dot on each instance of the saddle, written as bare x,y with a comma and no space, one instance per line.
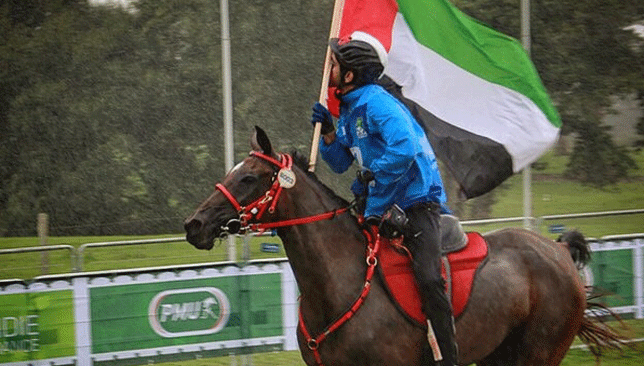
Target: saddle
463,253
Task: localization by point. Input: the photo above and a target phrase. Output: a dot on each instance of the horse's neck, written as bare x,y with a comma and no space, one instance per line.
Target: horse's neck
327,256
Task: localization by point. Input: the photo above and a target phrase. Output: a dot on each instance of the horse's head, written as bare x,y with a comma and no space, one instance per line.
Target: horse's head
241,195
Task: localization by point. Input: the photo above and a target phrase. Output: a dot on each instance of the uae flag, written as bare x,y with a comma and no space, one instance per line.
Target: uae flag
474,90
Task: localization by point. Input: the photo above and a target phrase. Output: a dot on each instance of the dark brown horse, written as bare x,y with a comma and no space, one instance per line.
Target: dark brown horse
527,302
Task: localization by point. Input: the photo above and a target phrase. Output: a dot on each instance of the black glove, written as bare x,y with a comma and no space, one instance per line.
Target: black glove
323,116
386,229
365,176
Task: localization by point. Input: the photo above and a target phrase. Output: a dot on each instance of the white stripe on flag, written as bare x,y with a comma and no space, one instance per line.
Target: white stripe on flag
467,101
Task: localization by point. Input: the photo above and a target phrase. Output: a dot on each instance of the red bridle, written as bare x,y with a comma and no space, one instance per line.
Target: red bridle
250,214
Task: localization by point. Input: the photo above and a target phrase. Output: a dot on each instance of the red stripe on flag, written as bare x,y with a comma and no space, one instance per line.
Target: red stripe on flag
375,17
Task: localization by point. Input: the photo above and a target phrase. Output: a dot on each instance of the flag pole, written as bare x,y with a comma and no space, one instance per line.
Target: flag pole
527,172
324,89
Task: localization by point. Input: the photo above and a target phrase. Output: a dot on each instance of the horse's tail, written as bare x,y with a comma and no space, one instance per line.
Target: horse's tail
578,247
595,332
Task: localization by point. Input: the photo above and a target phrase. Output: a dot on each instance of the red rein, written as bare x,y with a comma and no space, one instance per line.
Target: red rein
254,212
313,343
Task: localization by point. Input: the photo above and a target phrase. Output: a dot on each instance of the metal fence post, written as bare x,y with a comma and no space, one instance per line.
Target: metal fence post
42,228
638,291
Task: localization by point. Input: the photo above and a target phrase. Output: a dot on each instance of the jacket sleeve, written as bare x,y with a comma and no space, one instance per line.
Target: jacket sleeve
337,156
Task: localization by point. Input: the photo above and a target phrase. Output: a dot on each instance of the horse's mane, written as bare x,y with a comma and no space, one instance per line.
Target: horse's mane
302,162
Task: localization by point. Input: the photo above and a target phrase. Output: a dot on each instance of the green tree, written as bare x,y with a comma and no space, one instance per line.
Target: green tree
112,85
38,129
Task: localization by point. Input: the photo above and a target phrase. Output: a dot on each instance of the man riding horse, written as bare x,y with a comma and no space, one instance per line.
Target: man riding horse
398,173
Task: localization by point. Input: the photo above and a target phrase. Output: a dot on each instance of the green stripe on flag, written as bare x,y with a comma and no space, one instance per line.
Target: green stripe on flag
476,48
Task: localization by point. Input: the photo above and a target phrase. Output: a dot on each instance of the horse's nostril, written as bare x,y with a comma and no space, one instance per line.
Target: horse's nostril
192,225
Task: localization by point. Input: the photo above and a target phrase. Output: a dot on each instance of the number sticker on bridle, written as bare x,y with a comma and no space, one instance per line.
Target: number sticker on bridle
286,178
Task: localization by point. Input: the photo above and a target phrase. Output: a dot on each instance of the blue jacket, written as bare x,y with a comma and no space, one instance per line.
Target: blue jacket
380,133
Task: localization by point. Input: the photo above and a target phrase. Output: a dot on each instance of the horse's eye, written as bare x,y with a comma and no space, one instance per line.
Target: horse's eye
249,179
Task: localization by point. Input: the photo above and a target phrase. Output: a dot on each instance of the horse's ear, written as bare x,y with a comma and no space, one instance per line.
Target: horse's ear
260,142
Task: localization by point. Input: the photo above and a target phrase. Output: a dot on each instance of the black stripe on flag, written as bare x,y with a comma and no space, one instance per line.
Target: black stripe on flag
477,163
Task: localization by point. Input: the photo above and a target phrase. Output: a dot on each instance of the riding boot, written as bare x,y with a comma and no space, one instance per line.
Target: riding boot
437,308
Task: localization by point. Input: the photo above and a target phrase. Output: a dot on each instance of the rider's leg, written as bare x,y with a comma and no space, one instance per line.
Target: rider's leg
423,241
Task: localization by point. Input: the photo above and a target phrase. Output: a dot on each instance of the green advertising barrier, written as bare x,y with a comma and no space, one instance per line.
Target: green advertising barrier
613,275
132,315
154,315
617,272
36,326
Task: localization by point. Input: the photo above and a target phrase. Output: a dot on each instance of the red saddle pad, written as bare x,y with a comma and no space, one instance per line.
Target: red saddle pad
395,269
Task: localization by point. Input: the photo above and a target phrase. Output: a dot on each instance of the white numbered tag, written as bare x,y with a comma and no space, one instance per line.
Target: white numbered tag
286,178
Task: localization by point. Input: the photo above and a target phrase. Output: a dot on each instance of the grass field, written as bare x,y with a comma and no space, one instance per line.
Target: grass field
29,265
553,195
631,354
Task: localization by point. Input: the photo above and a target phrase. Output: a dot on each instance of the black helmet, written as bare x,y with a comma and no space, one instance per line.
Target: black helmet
361,53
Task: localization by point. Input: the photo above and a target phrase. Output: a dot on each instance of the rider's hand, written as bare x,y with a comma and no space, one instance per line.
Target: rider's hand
365,176
322,115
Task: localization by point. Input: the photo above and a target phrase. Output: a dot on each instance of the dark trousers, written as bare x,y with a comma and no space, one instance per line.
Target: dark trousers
423,241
